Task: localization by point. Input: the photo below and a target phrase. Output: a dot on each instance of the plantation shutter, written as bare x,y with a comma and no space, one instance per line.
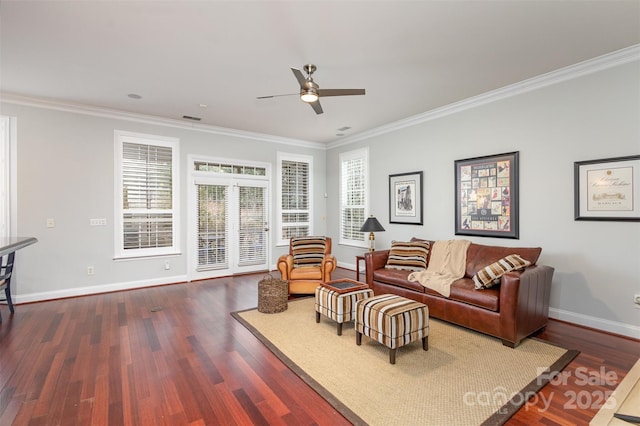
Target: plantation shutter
213,208
295,202
353,198
147,196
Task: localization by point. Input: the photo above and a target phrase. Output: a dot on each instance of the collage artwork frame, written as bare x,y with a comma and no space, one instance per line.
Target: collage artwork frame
405,198
487,196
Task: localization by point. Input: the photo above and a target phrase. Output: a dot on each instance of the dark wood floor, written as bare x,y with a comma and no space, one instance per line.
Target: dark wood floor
172,355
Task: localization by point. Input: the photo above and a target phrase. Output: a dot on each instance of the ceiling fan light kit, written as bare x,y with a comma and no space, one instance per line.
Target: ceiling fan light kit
311,93
308,95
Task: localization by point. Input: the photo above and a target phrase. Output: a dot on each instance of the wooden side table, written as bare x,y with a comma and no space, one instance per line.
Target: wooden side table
358,259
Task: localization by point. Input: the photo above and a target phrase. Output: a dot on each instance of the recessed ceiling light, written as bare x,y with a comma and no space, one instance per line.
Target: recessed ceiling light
134,96
202,105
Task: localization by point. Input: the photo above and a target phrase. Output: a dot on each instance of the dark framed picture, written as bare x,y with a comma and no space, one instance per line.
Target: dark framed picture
487,196
405,198
607,189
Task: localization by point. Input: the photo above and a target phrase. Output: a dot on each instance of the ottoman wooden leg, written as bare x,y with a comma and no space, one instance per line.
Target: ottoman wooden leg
339,329
317,317
358,338
392,355
425,343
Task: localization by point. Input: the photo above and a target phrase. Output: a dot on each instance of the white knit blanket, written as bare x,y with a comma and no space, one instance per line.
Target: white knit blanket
447,263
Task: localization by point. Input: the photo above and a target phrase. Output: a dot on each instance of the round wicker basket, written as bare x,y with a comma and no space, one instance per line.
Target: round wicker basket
272,295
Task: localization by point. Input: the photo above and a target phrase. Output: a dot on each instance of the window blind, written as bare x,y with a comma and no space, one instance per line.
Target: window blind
295,199
353,198
213,210
147,196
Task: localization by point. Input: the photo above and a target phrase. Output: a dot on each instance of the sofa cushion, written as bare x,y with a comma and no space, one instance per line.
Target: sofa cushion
490,275
397,277
462,290
408,256
308,251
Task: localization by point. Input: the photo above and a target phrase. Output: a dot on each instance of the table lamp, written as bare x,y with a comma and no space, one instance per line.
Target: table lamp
371,225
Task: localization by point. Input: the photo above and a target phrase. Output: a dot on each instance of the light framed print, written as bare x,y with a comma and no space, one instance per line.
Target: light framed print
405,198
607,189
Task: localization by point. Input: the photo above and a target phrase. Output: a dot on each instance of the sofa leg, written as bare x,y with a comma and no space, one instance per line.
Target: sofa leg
392,355
339,329
509,344
358,338
425,343
317,317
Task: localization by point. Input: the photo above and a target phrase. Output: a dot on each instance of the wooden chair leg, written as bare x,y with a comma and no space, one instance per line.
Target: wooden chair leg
425,343
339,329
358,338
392,355
317,317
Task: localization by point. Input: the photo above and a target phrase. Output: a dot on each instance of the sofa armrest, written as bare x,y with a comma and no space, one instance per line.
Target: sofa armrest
374,260
285,264
328,266
524,302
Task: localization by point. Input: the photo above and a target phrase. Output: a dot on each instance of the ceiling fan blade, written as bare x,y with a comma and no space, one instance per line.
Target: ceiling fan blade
276,96
340,92
301,80
316,107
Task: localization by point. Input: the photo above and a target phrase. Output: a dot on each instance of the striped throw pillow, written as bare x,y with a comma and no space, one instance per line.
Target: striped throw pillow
308,251
490,275
410,256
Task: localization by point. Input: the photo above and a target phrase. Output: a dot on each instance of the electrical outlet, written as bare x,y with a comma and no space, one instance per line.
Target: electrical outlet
90,270
167,265
636,300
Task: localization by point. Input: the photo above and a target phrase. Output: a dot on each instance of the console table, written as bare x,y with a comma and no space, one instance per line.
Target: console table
8,248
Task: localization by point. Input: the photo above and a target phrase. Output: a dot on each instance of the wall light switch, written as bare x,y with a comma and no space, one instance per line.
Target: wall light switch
51,223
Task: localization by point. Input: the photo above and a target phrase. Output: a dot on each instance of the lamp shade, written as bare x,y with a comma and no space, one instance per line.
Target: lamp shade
371,225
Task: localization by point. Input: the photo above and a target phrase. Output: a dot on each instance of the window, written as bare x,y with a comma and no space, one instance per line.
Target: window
147,207
294,193
7,176
354,177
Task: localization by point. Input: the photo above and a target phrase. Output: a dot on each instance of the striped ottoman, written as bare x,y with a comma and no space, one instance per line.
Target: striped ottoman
393,321
339,307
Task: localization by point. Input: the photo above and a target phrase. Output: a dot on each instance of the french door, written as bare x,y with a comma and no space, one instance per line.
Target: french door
232,231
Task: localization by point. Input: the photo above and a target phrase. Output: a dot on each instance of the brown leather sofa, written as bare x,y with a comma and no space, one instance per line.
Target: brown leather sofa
511,311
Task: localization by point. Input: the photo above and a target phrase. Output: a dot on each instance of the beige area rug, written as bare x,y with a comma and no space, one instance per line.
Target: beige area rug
465,378
625,400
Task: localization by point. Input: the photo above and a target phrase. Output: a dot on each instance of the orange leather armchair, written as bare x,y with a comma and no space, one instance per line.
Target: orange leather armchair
308,264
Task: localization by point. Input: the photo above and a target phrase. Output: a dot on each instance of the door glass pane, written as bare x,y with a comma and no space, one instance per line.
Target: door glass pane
253,224
212,226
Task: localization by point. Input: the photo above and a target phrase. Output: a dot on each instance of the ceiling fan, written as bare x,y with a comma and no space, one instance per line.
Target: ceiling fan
311,93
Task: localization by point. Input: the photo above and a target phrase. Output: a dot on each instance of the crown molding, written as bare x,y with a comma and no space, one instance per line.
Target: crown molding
600,63
11,98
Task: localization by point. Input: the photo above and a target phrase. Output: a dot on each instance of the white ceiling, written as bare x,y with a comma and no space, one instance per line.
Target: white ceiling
410,56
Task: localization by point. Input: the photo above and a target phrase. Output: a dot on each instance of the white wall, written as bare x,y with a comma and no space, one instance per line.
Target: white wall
66,172
597,264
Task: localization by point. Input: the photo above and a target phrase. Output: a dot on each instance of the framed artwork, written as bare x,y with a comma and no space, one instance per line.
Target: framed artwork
405,198
607,189
487,196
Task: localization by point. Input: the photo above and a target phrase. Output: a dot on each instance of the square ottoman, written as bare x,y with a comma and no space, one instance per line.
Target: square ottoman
393,321
338,306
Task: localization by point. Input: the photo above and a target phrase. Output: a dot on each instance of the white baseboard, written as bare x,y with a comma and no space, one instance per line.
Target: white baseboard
597,323
96,289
